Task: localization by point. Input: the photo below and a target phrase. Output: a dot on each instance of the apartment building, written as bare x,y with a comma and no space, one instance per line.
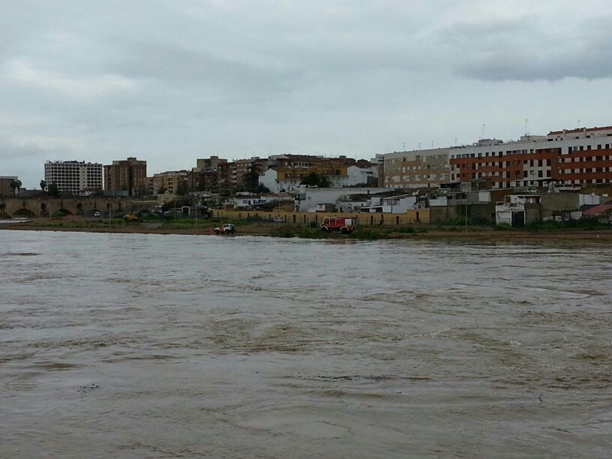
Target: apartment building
125,177
75,177
416,169
5,185
569,157
209,163
169,181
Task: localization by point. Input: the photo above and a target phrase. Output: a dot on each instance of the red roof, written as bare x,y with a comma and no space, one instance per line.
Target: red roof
600,209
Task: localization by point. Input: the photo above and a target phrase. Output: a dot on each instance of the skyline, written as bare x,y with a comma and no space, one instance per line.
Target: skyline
173,82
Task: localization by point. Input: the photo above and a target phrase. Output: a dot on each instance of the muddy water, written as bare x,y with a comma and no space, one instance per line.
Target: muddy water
125,346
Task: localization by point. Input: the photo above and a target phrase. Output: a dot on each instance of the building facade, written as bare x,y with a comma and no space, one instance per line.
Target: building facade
126,177
416,169
5,185
570,157
74,177
209,163
169,181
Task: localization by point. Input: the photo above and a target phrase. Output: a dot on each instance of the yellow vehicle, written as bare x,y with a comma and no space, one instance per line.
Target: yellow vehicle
130,218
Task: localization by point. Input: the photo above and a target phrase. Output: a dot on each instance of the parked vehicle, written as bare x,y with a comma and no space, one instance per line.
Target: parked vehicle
225,229
130,218
97,213
345,225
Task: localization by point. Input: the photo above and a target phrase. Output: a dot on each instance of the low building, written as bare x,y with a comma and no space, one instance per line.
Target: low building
5,185
309,199
518,210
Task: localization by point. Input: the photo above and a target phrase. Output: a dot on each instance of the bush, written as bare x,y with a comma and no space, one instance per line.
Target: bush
313,225
284,232
407,230
365,235
312,233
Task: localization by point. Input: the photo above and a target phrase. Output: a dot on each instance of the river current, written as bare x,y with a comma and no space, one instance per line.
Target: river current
153,346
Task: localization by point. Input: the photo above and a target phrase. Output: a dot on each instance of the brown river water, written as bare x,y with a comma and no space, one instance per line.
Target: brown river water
152,346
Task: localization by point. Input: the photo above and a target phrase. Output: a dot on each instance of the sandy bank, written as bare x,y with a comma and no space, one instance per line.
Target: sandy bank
268,229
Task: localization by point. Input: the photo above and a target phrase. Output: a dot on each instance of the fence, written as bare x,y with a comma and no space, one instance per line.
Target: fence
420,216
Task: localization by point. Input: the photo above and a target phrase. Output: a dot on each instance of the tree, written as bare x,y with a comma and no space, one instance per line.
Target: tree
43,185
314,179
250,180
140,191
15,185
182,188
162,190
53,190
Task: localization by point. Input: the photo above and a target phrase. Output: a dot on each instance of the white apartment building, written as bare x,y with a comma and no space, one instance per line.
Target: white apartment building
76,177
569,157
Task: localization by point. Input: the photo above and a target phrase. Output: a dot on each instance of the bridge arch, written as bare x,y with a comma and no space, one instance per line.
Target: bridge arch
24,212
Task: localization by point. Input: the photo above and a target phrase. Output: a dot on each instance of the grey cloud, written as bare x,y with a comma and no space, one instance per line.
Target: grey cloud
525,50
26,160
178,66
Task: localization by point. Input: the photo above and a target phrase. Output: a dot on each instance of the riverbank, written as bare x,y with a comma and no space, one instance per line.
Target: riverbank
483,234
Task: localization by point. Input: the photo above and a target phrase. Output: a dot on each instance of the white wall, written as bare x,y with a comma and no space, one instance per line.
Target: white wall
330,195
269,180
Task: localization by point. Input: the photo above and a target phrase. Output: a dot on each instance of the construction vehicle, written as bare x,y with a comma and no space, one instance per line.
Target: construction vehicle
345,225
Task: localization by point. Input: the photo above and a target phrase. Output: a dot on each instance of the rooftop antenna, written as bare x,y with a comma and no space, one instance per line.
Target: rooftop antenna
455,140
419,147
526,126
432,144
578,124
404,146
483,131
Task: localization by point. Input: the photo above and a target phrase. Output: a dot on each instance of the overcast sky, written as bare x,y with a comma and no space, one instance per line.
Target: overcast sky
171,81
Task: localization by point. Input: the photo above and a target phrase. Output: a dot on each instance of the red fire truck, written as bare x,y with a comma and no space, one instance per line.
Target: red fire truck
345,225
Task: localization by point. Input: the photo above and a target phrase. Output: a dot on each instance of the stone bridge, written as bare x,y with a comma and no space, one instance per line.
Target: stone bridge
50,207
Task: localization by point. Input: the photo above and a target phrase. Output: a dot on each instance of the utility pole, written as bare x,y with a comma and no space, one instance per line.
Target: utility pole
466,212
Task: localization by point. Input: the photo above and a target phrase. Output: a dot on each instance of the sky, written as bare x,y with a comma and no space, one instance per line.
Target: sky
176,80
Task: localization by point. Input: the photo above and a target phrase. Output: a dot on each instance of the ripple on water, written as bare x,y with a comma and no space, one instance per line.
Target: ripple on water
209,347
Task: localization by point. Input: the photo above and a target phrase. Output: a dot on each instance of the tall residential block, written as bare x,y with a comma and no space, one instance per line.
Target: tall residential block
76,177
126,177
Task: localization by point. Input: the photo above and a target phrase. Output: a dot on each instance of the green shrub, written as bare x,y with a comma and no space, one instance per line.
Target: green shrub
312,233
406,230
365,235
284,232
